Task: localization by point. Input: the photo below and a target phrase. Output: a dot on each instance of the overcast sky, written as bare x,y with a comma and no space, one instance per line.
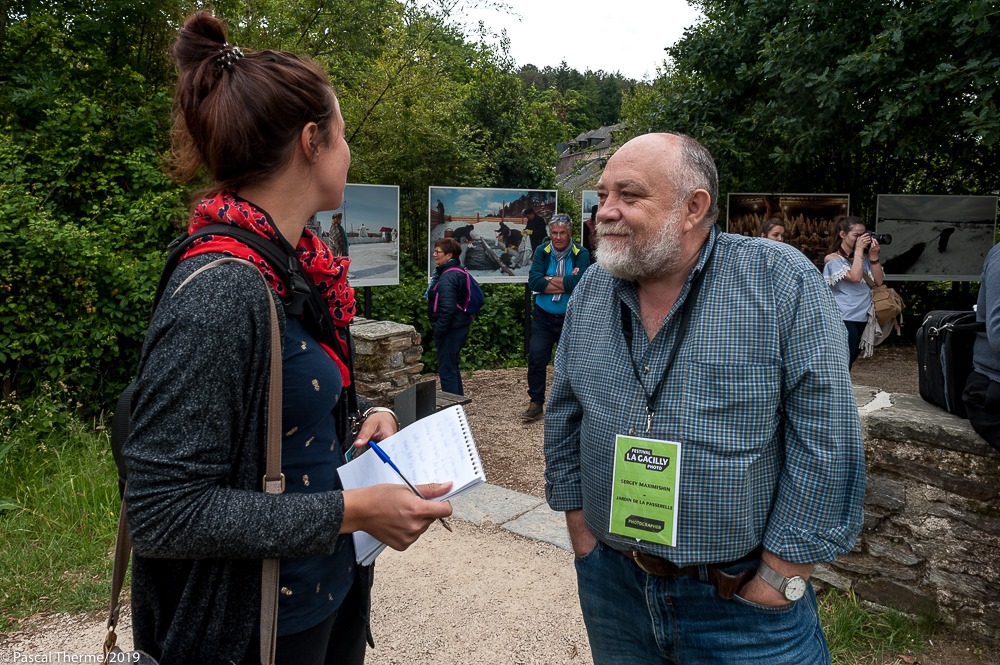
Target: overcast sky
611,35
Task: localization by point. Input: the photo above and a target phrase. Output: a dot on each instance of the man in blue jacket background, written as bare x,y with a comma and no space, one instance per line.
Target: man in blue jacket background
556,268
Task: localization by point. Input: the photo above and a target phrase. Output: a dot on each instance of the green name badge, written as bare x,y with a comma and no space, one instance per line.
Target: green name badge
644,494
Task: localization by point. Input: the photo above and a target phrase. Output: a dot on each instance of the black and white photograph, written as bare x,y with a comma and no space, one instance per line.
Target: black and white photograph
806,219
496,229
365,228
926,238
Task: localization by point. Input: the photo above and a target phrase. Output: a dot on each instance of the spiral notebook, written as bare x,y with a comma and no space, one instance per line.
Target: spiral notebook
434,449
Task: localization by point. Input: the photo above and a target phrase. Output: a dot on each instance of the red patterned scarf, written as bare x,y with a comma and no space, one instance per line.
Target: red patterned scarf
326,271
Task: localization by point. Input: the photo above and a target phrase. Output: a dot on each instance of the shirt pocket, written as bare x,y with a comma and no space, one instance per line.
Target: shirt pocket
730,409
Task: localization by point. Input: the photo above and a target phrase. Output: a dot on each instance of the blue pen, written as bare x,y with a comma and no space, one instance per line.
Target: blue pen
382,455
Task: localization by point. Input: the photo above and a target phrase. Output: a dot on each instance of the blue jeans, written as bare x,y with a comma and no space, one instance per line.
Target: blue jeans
449,345
854,332
545,331
634,618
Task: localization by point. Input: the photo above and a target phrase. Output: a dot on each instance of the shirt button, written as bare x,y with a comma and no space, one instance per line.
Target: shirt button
645,369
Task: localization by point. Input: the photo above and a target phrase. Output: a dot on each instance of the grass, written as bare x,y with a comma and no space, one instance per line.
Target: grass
860,635
59,509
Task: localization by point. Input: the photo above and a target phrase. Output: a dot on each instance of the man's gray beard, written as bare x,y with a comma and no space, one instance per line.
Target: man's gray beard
643,260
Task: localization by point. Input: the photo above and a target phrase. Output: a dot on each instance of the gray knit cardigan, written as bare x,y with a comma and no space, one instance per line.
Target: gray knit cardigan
199,522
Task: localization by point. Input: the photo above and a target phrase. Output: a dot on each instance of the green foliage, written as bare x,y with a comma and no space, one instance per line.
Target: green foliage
585,101
516,140
58,507
73,307
858,634
497,335
84,207
85,110
863,98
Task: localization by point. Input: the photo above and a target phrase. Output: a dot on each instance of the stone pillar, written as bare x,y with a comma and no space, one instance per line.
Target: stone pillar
386,358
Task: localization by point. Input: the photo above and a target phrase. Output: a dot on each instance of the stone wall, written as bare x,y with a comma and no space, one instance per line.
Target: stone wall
931,539
386,358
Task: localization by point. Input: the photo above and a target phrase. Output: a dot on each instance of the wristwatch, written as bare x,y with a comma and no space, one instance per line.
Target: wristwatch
792,588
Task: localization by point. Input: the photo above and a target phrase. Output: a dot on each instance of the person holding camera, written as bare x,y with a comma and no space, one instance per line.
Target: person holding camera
853,254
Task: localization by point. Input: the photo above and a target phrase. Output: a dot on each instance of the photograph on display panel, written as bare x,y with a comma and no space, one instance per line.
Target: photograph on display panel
935,237
365,228
497,229
807,219
588,221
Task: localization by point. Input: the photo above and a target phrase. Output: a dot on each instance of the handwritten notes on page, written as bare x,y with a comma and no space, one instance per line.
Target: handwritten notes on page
435,449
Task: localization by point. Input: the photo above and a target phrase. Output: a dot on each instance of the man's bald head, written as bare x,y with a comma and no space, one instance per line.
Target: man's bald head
685,162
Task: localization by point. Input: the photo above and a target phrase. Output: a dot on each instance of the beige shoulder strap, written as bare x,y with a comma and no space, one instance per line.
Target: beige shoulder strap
274,483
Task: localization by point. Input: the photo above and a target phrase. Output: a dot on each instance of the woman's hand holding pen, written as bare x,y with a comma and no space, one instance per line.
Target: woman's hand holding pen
392,513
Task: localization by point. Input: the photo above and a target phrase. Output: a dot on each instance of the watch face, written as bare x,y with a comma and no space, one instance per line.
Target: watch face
795,588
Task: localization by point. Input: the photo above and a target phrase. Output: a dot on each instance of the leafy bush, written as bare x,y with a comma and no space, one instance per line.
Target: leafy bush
84,215
73,309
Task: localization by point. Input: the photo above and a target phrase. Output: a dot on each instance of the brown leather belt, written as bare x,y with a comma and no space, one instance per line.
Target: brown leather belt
727,585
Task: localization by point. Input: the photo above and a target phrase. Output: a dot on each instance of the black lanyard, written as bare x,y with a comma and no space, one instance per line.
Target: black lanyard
685,315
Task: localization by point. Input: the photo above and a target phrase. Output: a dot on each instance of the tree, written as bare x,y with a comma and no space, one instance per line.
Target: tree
586,101
863,97
83,203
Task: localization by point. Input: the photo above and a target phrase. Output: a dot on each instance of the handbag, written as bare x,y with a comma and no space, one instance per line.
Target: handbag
274,483
888,304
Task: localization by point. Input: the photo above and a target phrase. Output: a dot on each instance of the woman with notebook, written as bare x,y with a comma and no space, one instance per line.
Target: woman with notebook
267,128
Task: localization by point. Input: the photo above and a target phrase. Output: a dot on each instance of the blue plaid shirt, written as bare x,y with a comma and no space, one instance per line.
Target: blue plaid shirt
759,395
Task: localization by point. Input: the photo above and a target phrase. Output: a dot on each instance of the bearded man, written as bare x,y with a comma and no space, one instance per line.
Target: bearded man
702,434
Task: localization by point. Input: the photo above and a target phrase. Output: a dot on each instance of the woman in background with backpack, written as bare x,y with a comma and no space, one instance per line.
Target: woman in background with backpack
451,324
266,127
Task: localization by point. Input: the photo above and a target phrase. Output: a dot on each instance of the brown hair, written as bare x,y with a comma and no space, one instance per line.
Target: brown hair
238,113
843,223
769,224
449,246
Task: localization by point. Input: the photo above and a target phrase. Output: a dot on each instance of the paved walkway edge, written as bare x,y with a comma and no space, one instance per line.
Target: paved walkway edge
523,514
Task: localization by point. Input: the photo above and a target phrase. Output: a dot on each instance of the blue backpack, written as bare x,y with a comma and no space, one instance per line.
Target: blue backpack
474,297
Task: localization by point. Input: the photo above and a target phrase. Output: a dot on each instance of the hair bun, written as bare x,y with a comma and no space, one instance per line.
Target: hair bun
202,37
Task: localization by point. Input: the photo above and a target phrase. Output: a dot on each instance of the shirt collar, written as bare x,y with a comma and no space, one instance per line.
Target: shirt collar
706,252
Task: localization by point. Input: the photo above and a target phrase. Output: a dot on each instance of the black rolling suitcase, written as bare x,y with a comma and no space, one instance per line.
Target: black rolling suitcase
944,357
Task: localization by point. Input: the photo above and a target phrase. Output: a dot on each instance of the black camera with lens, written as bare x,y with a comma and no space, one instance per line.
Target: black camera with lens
880,238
